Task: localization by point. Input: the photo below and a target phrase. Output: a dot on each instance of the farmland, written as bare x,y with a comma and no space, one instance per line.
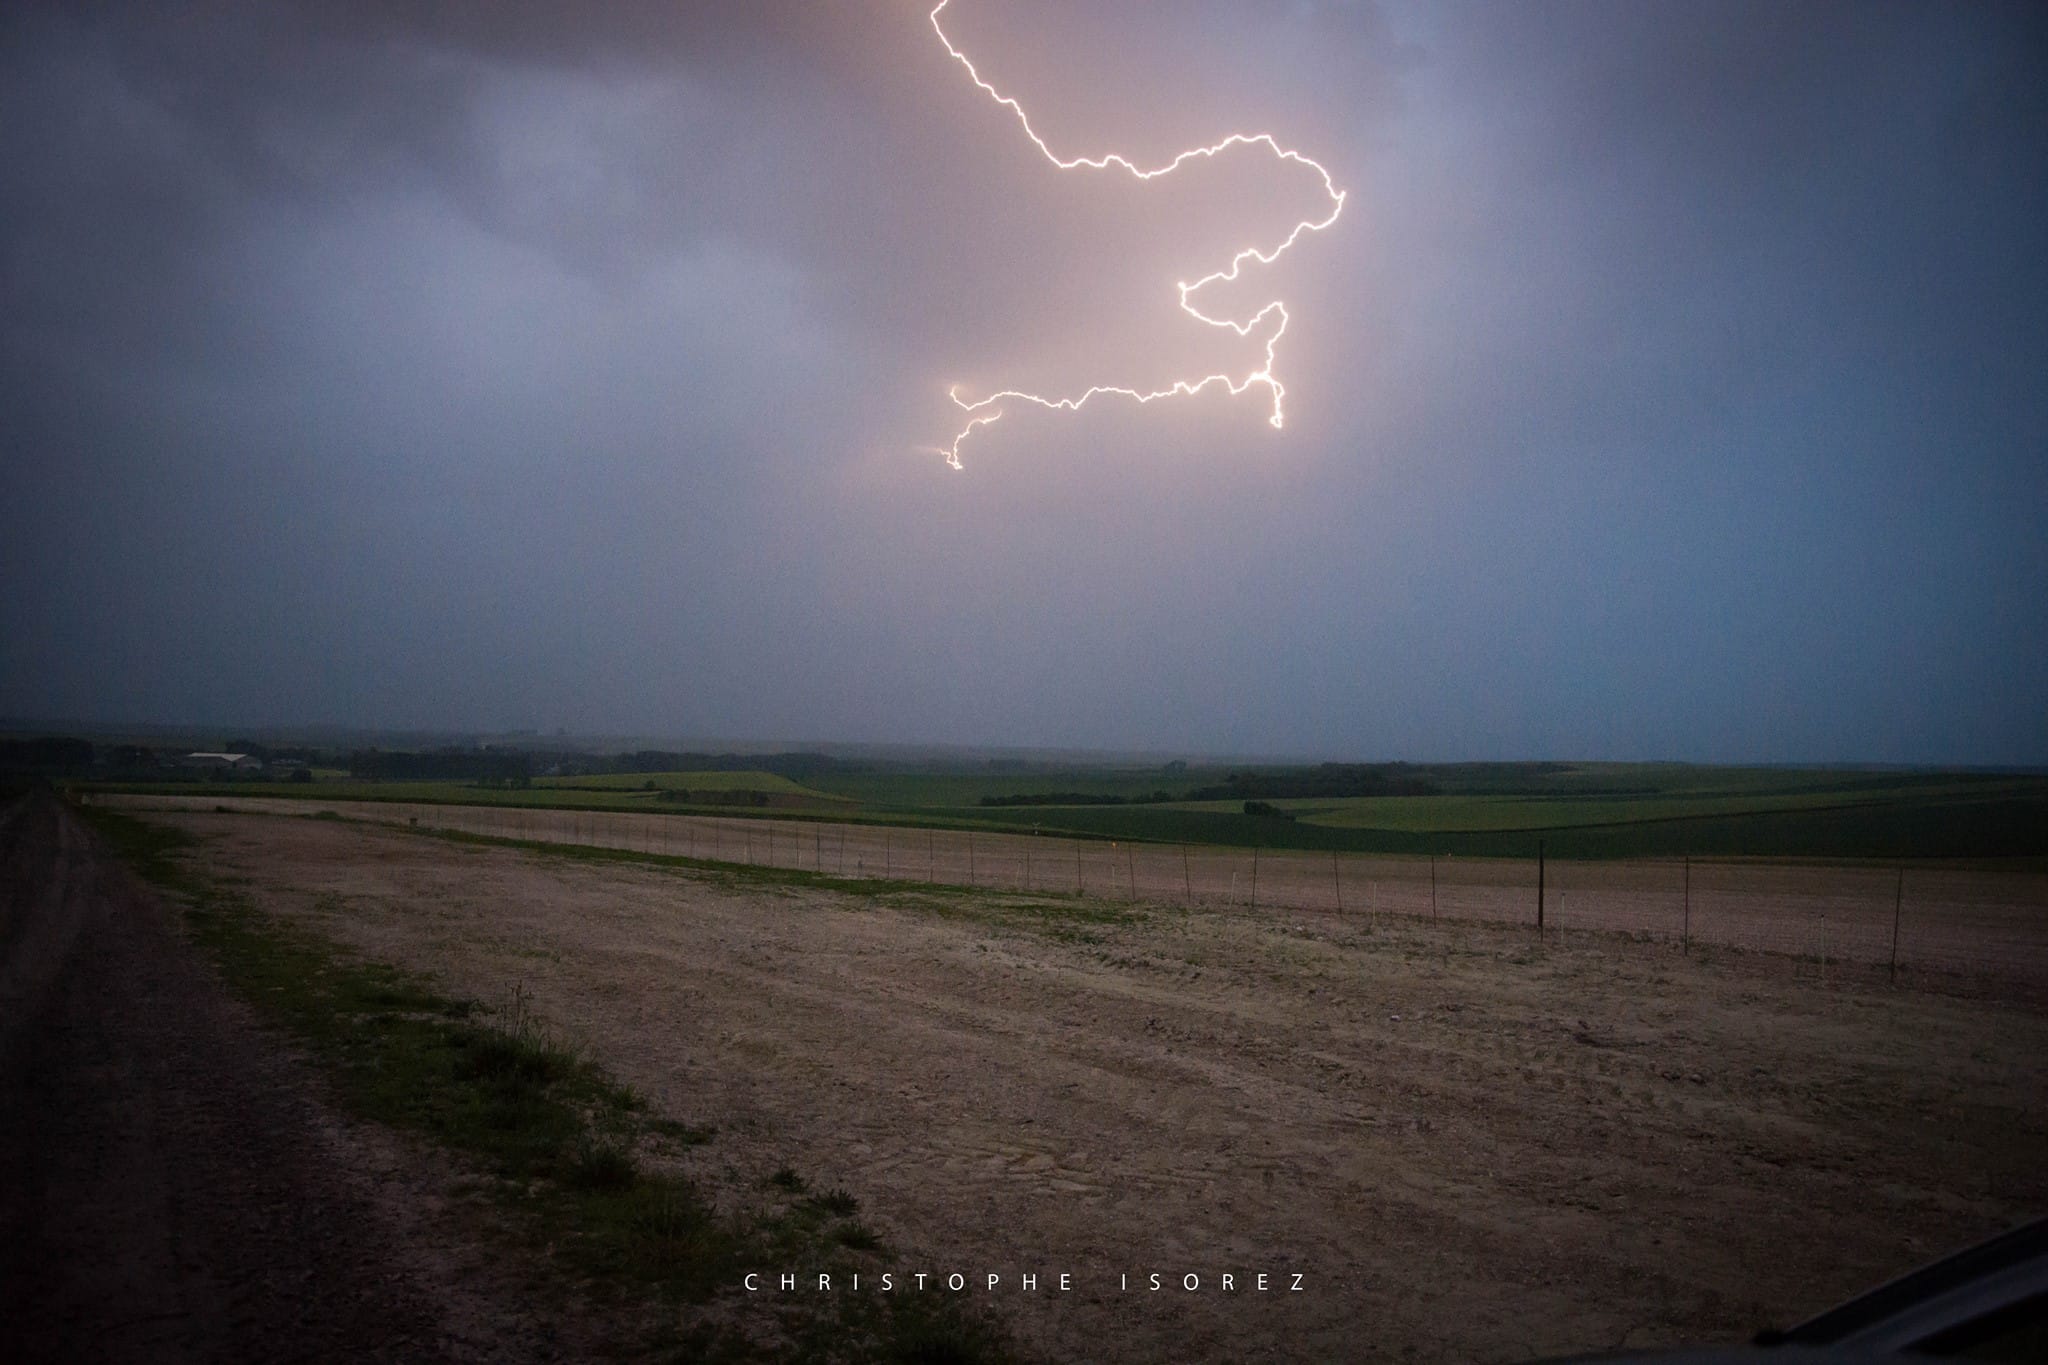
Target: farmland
1471,1142
1576,810
719,780
1980,920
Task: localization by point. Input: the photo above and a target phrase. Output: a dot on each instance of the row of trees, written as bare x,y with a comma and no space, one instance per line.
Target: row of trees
1323,781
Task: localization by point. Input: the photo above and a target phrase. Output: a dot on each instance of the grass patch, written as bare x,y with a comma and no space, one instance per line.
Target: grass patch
838,1203
583,1167
858,1237
1069,918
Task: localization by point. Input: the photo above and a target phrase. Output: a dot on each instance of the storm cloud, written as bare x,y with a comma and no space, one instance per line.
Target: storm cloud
1670,387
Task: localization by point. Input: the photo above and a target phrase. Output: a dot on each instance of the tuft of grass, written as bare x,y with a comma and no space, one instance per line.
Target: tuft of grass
857,1237
836,1202
787,1179
600,1164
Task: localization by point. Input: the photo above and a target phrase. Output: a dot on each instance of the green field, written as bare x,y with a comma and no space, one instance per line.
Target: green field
943,789
609,791
1576,810
703,781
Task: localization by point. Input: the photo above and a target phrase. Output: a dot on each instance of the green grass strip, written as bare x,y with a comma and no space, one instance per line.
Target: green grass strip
573,1155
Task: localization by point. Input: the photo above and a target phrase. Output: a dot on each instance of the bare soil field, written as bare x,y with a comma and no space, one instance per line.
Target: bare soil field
1469,1144
1980,921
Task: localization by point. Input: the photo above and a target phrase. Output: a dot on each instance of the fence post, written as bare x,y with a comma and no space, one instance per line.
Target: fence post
888,853
1078,889
1432,888
1255,876
1539,886
970,857
1131,870
1898,901
1187,880
1337,876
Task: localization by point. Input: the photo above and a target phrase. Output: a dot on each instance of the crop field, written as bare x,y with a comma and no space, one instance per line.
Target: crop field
1985,921
1575,811
607,791
718,780
1467,1141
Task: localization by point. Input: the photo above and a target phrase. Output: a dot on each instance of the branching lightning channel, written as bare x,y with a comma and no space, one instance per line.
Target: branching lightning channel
983,411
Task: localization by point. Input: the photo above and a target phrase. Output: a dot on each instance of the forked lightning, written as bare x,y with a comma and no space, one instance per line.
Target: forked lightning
982,411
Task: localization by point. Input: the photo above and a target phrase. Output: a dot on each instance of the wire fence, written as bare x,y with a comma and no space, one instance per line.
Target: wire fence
1969,919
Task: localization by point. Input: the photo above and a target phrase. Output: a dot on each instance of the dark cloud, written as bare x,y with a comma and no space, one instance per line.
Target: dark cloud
1669,387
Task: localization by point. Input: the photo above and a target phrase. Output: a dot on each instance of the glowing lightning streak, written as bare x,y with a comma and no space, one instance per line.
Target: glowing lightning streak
1263,375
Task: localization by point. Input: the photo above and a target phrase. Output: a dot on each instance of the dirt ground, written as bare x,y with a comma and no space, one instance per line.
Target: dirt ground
1979,920
175,1189
1470,1145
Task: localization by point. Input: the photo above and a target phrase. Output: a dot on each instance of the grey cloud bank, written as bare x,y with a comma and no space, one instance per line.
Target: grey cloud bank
1670,388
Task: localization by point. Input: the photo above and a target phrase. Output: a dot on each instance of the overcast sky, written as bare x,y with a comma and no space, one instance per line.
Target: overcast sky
1673,385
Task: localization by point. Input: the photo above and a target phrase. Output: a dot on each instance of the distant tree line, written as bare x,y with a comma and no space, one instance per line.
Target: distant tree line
49,756
1074,799
1324,780
442,765
796,765
723,797
69,756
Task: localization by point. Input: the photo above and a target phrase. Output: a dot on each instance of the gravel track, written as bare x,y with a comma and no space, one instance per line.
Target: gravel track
175,1189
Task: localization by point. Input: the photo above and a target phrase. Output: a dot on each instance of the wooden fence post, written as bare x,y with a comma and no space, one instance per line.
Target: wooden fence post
1898,902
1337,876
1187,880
1539,886
1685,927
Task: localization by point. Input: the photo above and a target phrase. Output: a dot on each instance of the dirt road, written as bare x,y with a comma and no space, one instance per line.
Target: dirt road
174,1189
1471,1146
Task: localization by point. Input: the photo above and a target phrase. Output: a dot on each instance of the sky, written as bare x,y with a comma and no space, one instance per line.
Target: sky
1672,385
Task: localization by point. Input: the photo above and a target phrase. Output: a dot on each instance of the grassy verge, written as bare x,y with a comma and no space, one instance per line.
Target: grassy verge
581,1164
1056,912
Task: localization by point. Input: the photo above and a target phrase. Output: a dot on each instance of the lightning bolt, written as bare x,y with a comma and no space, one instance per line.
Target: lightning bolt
979,410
